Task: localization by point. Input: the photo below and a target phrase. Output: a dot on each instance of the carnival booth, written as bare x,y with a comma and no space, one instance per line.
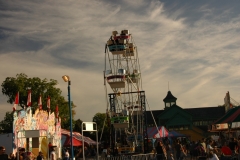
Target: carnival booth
157,132
229,122
34,132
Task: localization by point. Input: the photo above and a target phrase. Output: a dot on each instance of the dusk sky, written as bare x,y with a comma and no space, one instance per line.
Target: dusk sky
192,45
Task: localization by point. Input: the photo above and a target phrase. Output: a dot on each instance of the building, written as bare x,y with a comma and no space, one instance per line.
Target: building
193,122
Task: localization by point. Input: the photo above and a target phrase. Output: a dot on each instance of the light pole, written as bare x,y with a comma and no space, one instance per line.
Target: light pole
66,78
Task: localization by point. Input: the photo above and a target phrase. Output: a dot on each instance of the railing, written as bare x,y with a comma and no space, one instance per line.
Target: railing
149,156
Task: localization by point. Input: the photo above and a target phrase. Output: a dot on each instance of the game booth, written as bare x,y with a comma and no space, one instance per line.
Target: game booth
36,132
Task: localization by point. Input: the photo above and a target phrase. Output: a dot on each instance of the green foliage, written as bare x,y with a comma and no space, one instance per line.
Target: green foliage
6,125
102,126
78,126
21,83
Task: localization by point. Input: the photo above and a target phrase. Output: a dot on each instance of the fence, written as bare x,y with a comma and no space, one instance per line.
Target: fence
149,156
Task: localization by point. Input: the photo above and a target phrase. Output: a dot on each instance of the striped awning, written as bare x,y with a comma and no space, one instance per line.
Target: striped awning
233,115
79,137
157,132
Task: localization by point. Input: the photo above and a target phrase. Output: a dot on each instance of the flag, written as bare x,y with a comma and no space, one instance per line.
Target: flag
29,103
16,101
57,113
40,102
48,103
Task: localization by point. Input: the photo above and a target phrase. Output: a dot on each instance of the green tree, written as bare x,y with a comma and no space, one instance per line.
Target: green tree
6,125
102,126
78,126
21,83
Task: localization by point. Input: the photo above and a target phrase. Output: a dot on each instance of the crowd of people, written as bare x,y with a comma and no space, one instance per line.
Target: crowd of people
88,152
222,149
164,149
20,155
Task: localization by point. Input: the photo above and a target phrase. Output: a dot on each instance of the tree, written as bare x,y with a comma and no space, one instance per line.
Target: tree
102,126
6,125
78,126
21,83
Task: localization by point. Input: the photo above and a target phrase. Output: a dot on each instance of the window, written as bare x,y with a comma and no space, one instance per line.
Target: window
168,104
180,127
196,123
205,123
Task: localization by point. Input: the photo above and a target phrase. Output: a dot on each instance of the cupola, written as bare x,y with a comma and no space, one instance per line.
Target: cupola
169,100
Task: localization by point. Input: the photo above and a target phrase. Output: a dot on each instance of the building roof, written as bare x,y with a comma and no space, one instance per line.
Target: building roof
201,113
233,115
169,97
150,115
206,112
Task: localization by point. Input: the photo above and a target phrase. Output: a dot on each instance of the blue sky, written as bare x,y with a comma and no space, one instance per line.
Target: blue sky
192,45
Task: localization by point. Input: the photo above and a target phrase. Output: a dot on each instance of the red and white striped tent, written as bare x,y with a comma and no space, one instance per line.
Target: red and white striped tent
76,136
157,132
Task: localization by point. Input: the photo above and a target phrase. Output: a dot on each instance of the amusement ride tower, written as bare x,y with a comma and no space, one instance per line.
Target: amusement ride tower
126,109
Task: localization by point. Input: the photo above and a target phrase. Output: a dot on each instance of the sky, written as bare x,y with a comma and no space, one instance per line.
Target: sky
191,48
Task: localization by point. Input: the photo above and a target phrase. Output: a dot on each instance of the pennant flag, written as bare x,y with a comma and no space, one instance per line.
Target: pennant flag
29,103
16,101
48,103
57,113
40,102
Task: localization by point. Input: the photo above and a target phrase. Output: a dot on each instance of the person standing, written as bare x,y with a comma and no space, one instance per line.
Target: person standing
209,146
3,155
160,151
86,152
53,155
204,145
49,148
178,149
93,151
169,150
40,156
66,157
213,156
238,153
11,156
233,145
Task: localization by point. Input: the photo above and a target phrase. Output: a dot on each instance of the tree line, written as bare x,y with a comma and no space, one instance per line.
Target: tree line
44,87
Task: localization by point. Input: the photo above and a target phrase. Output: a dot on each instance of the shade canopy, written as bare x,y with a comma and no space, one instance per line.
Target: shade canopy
157,132
176,134
75,141
233,115
79,137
